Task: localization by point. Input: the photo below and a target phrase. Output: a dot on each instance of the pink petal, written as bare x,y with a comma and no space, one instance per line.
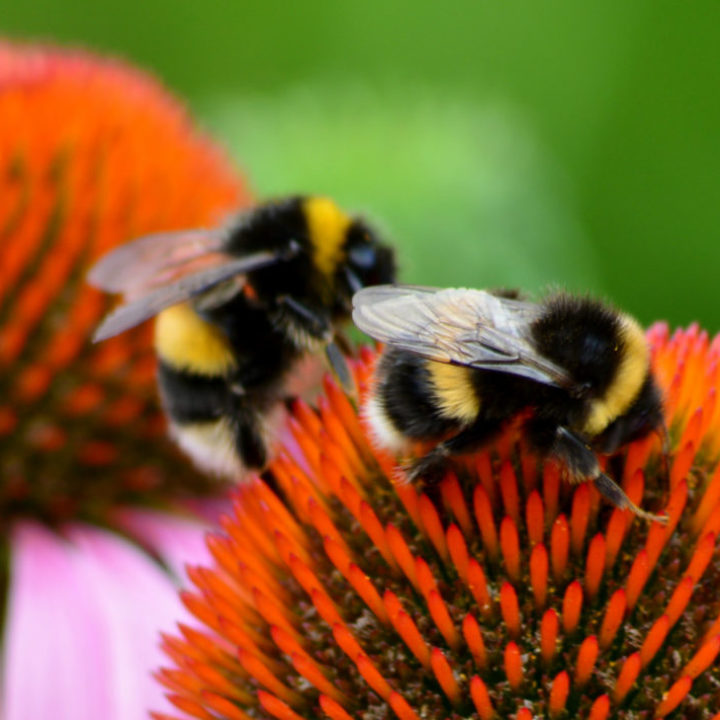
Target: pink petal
177,541
81,632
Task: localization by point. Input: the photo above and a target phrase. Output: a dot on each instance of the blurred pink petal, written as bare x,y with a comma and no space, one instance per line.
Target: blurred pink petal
178,541
82,624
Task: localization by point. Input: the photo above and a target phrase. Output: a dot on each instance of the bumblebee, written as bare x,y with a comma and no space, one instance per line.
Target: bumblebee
238,308
459,364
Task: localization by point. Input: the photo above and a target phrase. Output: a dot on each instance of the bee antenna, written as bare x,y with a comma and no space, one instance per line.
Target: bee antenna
339,365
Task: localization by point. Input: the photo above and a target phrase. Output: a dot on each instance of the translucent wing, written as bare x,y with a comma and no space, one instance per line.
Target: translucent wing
151,303
156,259
458,326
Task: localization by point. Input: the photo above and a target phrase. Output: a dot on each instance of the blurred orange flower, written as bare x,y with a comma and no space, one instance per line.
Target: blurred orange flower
92,153
506,593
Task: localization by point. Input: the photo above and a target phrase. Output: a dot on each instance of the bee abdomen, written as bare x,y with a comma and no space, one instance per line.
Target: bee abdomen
404,403
456,396
191,398
220,430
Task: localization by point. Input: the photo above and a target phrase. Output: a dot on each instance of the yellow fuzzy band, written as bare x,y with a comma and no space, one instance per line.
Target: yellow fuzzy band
186,342
628,379
455,394
327,225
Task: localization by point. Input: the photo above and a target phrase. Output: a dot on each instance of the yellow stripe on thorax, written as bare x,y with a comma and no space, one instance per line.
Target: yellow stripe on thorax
455,394
327,225
187,342
629,378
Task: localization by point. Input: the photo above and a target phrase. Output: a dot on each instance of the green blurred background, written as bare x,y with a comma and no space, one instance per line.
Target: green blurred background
516,142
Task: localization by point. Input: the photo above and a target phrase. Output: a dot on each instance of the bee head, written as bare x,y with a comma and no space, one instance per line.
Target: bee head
367,260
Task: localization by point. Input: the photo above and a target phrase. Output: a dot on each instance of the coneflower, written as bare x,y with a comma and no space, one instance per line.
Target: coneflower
504,593
92,153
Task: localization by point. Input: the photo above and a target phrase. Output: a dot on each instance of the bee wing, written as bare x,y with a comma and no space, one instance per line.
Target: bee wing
157,259
151,303
458,326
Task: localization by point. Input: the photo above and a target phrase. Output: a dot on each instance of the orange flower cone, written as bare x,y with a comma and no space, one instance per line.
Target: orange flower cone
506,593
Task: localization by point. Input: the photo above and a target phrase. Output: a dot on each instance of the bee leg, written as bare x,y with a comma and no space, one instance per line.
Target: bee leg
315,322
249,439
344,343
609,489
339,365
318,325
582,462
431,467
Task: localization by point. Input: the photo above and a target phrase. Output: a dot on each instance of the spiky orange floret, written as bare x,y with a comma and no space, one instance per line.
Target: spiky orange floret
505,592
92,154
